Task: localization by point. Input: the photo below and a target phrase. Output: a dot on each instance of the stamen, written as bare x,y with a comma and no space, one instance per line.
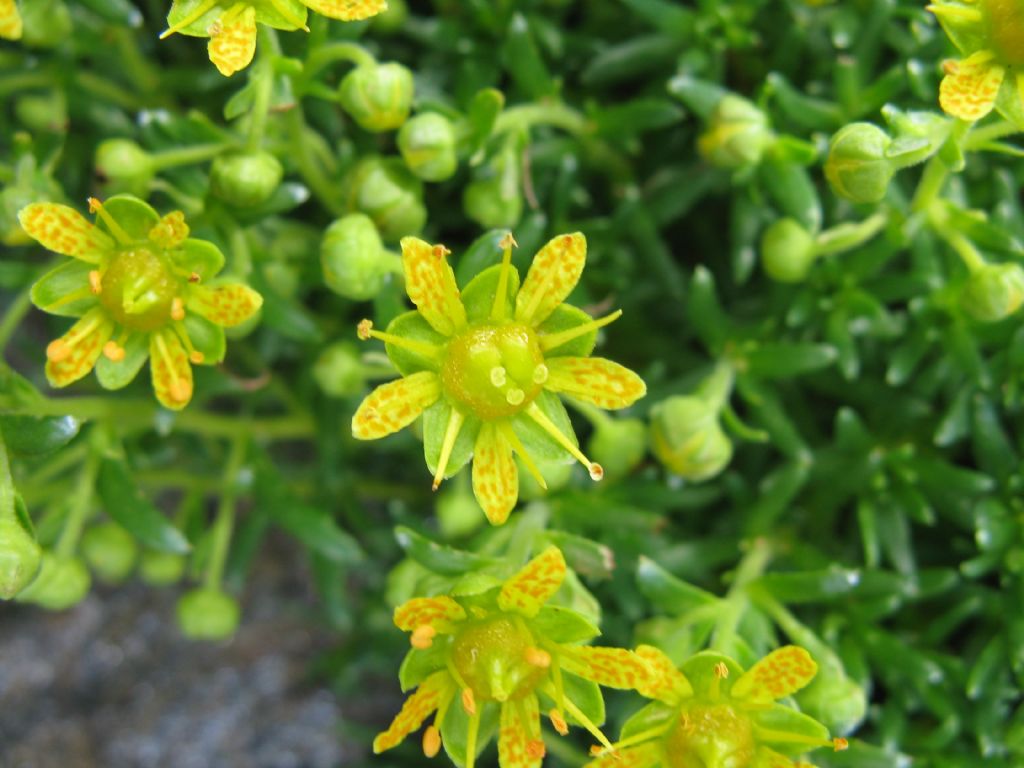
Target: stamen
540,374
721,670
423,637
451,434
468,701
549,341
95,206
839,744
498,308
474,727
95,281
440,251
180,391
194,355
113,351
58,350
498,376
81,293
177,309
194,277
431,741
506,430
191,18
286,12
538,657
535,749
534,412
515,396
558,722
585,721
365,332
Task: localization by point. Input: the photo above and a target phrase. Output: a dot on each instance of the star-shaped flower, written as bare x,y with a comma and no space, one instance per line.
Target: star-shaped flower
713,714
10,20
990,34
502,653
231,25
140,288
483,367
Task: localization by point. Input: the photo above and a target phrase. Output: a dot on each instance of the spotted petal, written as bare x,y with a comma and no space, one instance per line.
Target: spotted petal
602,382
780,673
643,756
534,584
554,273
347,10
769,758
170,369
233,43
226,305
75,353
431,286
395,405
64,230
519,743
610,667
10,21
970,87
427,611
417,708
665,683
495,477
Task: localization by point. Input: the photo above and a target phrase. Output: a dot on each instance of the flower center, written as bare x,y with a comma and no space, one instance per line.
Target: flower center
138,289
494,370
711,737
1006,29
492,655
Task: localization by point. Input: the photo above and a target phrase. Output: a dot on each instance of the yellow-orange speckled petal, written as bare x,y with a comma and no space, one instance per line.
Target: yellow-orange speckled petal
519,743
233,40
495,477
427,611
610,667
969,89
602,382
780,673
418,707
553,274
226,305
534,584
642,756
64,230
666,683
347,10
170,231
170,369
431,286
769,758
10,20
74,354
395,405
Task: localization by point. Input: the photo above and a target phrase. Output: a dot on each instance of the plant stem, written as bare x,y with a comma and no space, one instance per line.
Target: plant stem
264,75
224,525
81,506
529,115
737,601
934,176
311,171
6,483
328,54
199,153
981,136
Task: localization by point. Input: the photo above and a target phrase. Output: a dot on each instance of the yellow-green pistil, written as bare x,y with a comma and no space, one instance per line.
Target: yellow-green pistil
496,658
139,288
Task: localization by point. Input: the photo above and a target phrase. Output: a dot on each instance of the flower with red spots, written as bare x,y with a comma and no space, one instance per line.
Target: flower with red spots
140,287
494,660
10,20
484,367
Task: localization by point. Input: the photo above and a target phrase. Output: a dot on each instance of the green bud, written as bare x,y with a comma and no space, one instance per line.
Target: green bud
834,700
19,558
161,569
857,167
387,192
787,251
124,166
339,370
618,445
245,179
687,438
207,613
556,474
495,200
737,134
378,96
62,582
993,292
110,551
46,113
353,259
427,144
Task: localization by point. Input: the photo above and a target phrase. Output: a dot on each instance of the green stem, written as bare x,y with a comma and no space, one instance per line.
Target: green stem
934,176
530,115
264,76
199,153
224,525
311,171
979,137
737,601
717,387
81,506
328,54
971,256
6,483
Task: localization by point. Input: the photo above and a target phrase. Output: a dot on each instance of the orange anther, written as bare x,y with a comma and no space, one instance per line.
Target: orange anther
508,241
177,309
840,744
196,357
58,350
721,671
113,352
558,722
538,657
94,204
364,328
440,251
469,701
596,471
95,281
194,277
431,741
423,637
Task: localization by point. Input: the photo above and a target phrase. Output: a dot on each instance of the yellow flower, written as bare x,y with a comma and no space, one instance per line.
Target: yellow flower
990,34
483,367
503,652
231,25
10,20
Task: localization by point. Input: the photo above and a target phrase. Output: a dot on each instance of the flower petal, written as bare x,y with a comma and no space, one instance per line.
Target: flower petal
534,584
610,667
519,743
226,305
417,708
769,758
554,273
602,382
395,405
62,229
10,21
970,87
643,756
74,354
233,44
348,10
666,683
170,369
426,611
495,476
780,673
431,286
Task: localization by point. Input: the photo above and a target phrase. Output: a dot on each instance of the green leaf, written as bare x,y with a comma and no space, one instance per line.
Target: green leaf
586,695
523,60
704,311
483,111
317,529
831,584
537,442
586,557
784,360
563,625
49,290
668,593
478,296
790,187
637,116
435,425
124,502
37,435
412,325
199,256
564,318
439,558
113,375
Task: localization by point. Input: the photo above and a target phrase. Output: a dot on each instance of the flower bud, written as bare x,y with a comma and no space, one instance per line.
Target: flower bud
245,179
43,113
386,191
787,251
857,167
427,144
19,558
124,166
993,292
378,96
618,445
737,134
339,370
687,438
208,613
62,582
834,700
353,259
110,551
161,569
